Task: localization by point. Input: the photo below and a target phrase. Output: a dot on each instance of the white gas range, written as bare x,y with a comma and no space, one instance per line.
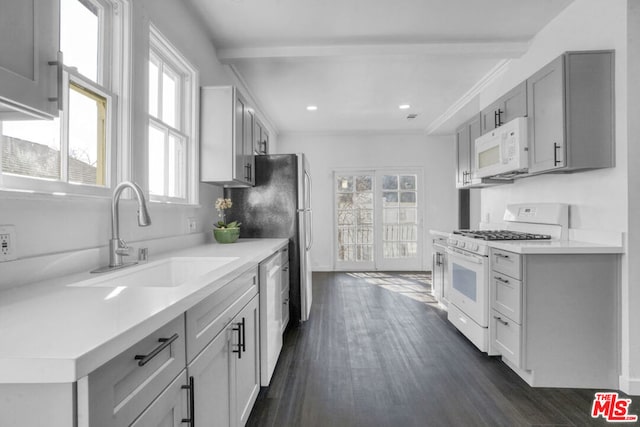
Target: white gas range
469,267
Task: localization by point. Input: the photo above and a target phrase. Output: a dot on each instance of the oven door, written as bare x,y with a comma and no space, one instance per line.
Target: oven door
469,284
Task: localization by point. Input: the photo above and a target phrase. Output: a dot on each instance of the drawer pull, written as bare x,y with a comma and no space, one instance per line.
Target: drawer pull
500,279
192,403
165,342
285,302
502,256
285,269
499,319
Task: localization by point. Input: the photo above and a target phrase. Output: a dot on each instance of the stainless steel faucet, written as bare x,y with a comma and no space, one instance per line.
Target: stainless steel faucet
117,247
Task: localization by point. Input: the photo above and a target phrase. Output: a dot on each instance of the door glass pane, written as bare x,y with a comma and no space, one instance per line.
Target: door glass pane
399,216
354,218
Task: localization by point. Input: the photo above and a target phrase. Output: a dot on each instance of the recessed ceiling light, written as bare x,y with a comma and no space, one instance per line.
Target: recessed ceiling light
404,106
312,107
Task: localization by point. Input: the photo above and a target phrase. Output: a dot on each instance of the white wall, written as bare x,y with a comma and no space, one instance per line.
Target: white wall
326,153
598,199
50,225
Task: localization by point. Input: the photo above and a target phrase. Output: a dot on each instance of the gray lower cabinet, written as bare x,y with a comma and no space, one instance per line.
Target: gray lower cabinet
511,105
170,409
246,366
571,113
211,372
120,390
226,375
553,317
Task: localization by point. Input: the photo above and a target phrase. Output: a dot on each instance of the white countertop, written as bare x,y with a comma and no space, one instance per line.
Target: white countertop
439,233
54,333
541,247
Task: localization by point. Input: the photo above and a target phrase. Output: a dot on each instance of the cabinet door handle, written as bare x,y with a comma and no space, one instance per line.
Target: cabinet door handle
500,279
499,319
502,256
286,301
192,403
239,329
495,119
285,268
556,162
244,347
59,64
500,117
165,342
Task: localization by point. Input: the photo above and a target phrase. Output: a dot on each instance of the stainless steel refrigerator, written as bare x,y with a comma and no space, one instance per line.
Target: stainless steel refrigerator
279,205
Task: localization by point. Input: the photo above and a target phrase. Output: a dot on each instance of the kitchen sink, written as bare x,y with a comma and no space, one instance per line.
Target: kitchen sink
166,273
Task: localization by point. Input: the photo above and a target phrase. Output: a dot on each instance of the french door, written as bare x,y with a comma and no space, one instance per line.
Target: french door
378,220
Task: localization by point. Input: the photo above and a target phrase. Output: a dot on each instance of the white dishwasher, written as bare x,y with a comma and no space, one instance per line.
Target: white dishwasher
270,316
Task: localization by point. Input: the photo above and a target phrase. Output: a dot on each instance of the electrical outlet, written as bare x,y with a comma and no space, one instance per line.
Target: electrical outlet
7,243
192,225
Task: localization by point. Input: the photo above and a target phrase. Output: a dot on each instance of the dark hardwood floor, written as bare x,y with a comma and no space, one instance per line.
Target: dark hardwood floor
377,352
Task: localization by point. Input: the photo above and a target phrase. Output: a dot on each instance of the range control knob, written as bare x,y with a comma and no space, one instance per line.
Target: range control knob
461,244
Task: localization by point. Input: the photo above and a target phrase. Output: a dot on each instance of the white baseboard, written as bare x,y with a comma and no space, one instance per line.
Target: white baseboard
631,386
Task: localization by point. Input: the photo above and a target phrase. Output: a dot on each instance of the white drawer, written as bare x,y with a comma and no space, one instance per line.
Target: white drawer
505,337
474,332
123,387
507,296
209,317
285,308
507,263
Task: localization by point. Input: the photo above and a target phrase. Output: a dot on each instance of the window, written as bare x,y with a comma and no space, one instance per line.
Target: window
172,123
75,152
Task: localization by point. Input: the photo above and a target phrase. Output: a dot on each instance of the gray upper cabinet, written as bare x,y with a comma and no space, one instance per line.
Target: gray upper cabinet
30,62
226,137
510,106
571,113
261,138
463,153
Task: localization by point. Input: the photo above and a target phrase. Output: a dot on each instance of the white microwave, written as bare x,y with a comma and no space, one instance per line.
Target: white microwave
503,152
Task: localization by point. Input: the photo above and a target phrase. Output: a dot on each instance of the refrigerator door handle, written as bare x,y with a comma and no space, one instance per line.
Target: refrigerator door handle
310,230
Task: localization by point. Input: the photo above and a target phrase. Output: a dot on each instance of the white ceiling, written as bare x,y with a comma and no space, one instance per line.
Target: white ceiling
357,60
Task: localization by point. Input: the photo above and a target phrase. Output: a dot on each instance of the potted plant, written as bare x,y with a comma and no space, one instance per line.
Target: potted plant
225,232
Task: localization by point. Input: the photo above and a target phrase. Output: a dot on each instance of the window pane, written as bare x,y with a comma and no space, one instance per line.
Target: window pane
389,182
408,197
364,183
31,148
408,182
169,96
344,184
79,30
176,167
153,88
156,161
390,198
86,136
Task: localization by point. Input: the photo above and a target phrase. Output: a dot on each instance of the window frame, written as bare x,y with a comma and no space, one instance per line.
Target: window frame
112,79
187,120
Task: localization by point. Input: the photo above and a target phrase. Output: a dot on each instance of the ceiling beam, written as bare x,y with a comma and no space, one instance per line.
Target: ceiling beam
501,50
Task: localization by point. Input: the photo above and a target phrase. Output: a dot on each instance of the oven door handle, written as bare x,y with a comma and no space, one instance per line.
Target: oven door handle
468,257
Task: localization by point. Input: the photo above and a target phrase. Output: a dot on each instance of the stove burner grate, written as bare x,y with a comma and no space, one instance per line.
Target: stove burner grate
501,235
